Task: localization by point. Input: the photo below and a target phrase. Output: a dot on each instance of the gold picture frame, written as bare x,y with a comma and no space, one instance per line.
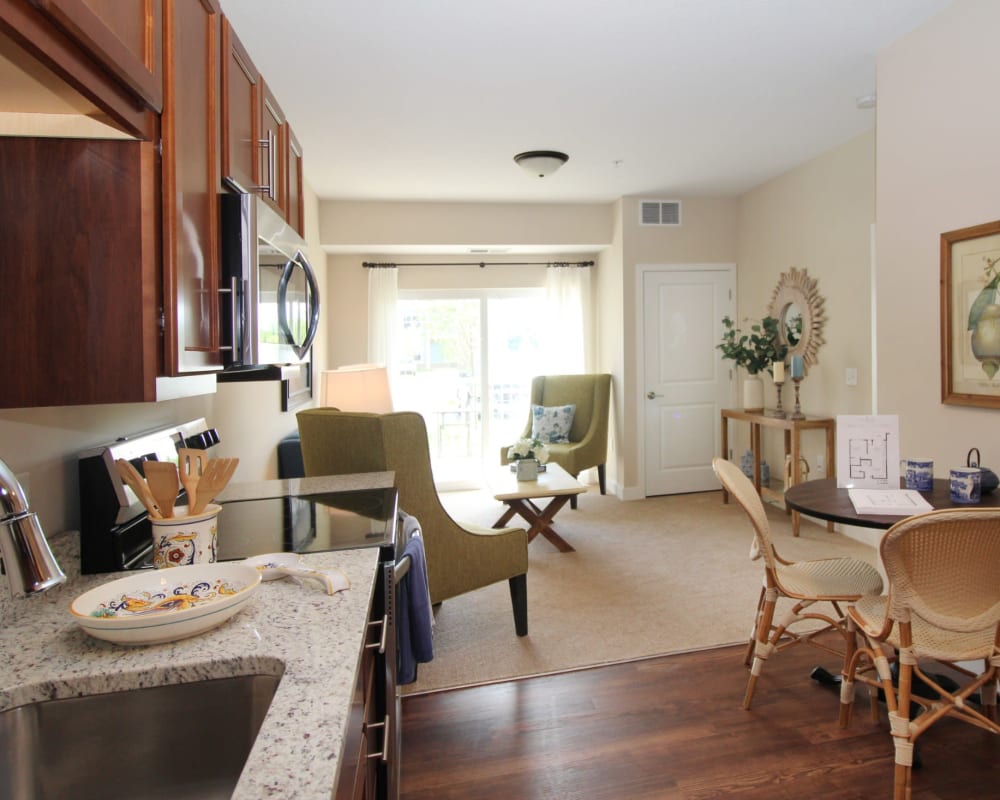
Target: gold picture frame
970,316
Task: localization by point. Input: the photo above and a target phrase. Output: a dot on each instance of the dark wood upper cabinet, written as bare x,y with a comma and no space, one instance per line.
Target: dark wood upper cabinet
259,150
80,300
68,46
271,162
293,182
124,37
111,278
241,113
190,175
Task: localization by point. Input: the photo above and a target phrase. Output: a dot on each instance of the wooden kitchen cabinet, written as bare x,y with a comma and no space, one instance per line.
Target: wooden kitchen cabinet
116,283
370,758
124,37
270,163
190,177
102,53
80,303
260,152
294,211
241,110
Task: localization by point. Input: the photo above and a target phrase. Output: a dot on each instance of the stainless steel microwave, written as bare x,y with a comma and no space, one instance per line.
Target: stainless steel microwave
273,311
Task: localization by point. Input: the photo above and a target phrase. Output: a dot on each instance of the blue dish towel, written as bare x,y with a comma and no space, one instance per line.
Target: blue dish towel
414,631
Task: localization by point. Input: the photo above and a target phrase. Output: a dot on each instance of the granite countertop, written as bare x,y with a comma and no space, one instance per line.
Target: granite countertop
296,630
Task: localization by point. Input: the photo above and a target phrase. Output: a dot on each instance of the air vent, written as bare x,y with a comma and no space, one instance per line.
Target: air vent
660,212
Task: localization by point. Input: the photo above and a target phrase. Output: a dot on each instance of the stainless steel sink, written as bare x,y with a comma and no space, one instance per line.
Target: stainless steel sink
180,741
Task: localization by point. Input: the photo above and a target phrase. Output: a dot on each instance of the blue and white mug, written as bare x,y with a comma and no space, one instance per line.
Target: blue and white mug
918,473
965,484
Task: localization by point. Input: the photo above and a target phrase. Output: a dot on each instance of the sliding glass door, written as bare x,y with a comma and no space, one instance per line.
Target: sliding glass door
466,360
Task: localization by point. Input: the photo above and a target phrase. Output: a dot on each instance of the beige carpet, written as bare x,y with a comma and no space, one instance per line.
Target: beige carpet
649,577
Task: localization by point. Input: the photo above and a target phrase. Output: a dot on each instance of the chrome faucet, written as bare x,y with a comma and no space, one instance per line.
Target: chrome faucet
27,558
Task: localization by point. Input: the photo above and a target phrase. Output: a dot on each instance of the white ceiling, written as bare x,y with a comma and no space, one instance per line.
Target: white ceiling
431,99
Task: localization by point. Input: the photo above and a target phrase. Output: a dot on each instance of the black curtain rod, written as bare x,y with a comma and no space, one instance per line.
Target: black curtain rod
480,264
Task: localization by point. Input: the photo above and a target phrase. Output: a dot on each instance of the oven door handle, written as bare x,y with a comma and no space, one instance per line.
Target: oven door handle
312,290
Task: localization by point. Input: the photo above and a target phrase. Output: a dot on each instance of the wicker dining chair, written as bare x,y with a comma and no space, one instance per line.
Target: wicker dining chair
943,607
833,580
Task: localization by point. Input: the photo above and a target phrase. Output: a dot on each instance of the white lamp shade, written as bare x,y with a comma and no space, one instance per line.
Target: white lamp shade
359,387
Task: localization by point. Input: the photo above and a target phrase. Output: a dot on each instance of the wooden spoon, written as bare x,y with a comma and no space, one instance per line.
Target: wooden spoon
138,485
213,481
161,476
191,465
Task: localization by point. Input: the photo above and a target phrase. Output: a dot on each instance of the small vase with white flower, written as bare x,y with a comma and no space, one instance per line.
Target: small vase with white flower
529,457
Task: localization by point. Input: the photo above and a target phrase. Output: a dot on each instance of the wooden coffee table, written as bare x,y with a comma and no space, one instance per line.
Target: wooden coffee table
520,497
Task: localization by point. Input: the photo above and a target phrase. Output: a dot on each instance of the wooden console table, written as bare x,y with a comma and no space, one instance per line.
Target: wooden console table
792,429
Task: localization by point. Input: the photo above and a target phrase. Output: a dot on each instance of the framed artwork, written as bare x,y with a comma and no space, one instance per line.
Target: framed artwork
970,316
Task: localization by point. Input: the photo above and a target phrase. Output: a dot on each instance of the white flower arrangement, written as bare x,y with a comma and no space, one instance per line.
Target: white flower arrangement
528,448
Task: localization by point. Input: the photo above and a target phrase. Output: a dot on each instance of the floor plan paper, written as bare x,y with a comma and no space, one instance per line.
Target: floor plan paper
868,451
888,502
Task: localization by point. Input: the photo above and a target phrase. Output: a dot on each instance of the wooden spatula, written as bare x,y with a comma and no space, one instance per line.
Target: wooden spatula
162,479
138,485
191,465
217,473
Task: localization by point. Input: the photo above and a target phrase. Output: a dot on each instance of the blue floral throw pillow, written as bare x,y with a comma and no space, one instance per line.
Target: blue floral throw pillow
551,424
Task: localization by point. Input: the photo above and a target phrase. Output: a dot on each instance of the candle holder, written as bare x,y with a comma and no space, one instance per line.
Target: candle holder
797,413
778,412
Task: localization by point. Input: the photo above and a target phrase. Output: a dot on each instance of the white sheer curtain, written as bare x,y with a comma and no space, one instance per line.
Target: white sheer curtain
383,293
567,296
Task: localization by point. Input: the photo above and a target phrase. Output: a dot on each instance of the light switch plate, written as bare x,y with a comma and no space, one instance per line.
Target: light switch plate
852,376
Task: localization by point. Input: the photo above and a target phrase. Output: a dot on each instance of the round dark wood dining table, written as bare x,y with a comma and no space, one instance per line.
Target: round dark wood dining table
821,498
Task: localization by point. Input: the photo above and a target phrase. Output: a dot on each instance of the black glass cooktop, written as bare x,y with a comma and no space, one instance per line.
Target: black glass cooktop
298,523
307,523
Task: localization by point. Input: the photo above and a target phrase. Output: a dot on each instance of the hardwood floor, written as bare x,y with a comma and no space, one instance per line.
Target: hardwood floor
673,727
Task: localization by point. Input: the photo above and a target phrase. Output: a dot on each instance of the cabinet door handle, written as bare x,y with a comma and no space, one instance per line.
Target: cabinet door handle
270,145
383,754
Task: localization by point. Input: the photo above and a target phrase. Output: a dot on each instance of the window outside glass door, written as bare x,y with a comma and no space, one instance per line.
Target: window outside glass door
465,363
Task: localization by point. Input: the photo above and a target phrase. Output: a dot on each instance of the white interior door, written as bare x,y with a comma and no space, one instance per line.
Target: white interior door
686,382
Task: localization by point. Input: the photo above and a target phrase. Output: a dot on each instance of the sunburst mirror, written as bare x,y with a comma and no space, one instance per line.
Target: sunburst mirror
798,307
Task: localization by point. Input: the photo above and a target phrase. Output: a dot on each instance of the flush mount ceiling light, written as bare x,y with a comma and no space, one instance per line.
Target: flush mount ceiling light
541,162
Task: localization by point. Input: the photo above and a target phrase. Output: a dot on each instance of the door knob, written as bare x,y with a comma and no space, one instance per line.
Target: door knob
652,395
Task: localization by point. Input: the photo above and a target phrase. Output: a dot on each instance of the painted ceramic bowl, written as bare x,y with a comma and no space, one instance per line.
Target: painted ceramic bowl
165,605
272,566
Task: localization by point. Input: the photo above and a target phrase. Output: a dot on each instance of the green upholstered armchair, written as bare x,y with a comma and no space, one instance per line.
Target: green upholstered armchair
460,558
588,438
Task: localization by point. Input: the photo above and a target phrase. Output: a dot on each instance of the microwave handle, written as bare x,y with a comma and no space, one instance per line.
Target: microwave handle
286,275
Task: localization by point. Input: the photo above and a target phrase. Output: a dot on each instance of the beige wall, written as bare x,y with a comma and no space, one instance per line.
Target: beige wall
707,235
817,217
549,225
938,162
43,443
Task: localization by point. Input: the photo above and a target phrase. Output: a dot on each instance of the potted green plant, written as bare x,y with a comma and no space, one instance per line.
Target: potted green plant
755,351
